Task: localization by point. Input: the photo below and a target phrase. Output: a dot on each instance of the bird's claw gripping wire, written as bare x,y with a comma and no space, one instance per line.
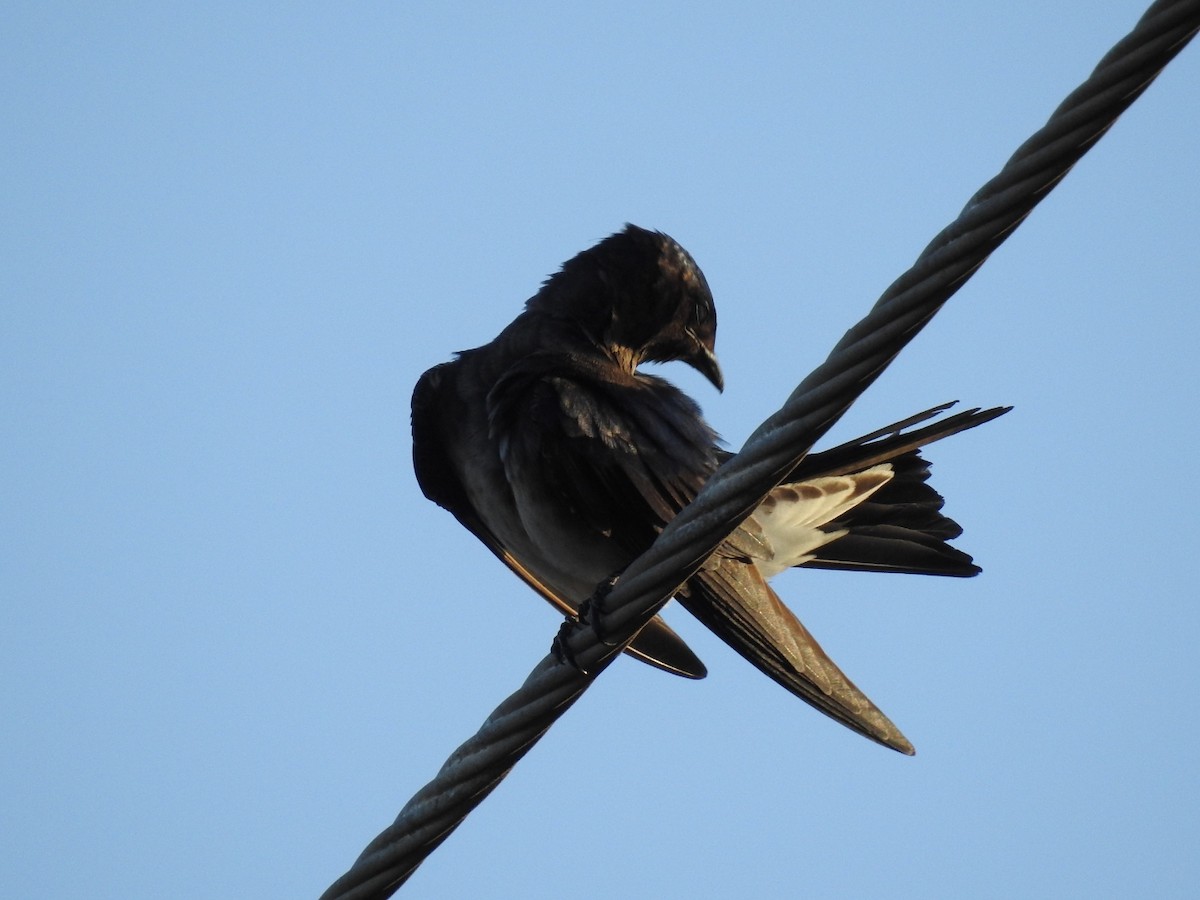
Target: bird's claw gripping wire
591,612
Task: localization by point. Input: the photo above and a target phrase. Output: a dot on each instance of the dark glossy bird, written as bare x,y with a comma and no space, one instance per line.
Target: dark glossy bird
566,461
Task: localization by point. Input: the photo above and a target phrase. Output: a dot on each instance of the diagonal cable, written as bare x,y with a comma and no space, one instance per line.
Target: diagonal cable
476,767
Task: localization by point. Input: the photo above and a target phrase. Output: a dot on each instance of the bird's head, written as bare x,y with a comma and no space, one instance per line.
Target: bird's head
641,298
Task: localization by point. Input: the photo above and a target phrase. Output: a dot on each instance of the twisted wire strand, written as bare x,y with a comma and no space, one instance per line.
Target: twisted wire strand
477,766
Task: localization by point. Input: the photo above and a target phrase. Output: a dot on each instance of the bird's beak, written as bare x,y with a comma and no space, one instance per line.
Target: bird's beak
705,362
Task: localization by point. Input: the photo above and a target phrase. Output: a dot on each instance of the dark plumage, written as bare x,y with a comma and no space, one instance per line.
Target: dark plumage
553,449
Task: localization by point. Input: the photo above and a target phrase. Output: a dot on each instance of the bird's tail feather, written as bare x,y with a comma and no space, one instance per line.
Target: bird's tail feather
901,527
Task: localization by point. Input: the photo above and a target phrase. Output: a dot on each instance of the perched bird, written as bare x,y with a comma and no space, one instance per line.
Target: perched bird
566,461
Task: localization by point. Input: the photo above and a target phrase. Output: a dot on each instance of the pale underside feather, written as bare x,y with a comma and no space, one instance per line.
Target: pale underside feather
792,515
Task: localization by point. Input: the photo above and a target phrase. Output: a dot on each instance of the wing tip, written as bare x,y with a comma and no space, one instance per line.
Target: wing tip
658,645
901,744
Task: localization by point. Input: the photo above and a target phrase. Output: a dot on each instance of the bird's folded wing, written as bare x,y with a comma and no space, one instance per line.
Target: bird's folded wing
735,603
628,466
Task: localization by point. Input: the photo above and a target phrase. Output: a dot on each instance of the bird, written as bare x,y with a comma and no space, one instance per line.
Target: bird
554,449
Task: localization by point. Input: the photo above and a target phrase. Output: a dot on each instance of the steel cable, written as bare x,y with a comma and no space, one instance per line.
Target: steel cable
477,766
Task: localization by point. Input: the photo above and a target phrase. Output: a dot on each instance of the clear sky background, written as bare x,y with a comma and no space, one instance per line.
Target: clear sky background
234,637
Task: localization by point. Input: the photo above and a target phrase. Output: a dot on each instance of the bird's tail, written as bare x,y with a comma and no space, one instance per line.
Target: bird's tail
900,527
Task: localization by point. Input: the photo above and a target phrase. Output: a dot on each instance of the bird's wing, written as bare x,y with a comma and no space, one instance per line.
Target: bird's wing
656,644
735,603
626,456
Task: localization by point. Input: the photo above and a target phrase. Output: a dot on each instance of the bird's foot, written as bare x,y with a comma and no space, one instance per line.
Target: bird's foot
592,610
561,647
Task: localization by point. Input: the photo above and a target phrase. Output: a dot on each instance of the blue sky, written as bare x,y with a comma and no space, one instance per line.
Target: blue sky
234,638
